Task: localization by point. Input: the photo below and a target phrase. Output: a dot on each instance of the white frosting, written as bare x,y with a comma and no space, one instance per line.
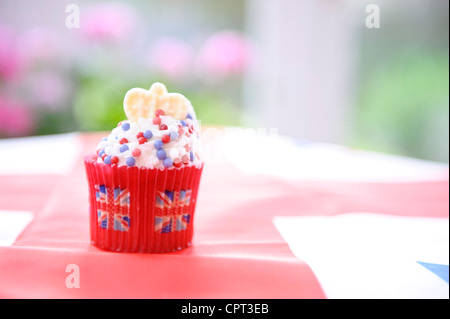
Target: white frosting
184,147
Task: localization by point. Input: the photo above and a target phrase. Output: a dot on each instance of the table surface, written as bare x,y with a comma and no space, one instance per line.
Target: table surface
310,220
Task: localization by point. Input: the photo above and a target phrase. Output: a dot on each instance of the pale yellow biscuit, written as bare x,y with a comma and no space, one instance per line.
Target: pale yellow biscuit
143,103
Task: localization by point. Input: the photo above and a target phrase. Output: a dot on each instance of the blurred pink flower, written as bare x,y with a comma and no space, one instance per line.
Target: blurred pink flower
11,63
40,44
16,119
171,57
223,54
108,22
49,89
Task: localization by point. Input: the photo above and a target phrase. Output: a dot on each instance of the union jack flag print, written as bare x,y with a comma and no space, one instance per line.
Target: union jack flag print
113,207
167,224
168,199
171,207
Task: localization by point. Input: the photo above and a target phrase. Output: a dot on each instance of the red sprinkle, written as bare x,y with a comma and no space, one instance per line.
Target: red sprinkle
187,147
177,162
165,138
103,156
142,140
180,130
159,112
123,141
139,135
156,120
190,127
136,152
185,159
163,127
114,160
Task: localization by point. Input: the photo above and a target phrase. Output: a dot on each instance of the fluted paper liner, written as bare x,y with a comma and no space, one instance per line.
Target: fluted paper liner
143,210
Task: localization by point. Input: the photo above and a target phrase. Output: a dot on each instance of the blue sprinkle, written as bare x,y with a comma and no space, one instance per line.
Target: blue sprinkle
189,116
123,148
126,126
161,154
183,123
158,144
167,162
148,134
191,156
107,160
101,153
131,161
104,139
173,136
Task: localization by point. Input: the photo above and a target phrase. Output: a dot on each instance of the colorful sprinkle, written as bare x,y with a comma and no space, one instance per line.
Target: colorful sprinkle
159,112
167,162
158,144
173,136
177,162
172,141
126,126
180,130
185,159
156,120
142,140
130,161
165,138
161,154
107,160
148,134
136,152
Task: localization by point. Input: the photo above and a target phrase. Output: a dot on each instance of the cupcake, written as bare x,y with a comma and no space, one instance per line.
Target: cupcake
144,178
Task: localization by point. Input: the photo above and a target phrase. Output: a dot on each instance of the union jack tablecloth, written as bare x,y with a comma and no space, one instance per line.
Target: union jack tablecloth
339,224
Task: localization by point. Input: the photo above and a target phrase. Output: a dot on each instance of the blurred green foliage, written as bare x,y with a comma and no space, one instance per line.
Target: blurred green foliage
403,103
98,105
